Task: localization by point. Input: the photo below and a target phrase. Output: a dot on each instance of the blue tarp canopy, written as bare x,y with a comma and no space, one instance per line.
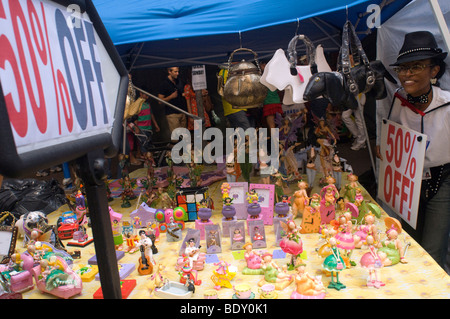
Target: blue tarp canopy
156,33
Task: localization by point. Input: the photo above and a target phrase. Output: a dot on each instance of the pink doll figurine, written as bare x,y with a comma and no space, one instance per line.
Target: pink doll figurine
225,190
369,228
358,197
373,262
344,238
252,257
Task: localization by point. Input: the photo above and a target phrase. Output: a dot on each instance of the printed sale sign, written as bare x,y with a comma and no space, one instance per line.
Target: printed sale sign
400,174
58,82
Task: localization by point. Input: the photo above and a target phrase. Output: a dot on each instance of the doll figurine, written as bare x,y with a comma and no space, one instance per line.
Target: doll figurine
307,286
272,272
192,252
392,248
368,228
237,236
344,237
334,264
300,199
252,258
225,188
373,262
350,188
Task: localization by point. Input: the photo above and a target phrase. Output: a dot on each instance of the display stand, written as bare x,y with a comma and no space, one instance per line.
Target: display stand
201,227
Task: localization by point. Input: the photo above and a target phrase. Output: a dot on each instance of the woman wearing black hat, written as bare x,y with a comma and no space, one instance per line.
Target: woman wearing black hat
420,64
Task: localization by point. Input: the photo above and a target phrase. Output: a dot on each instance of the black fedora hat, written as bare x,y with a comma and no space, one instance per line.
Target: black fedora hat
419,45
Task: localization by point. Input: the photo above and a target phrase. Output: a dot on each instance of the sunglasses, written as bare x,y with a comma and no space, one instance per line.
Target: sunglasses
413,69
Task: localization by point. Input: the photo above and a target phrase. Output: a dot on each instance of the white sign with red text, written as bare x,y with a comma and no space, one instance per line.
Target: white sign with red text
400,175
58,81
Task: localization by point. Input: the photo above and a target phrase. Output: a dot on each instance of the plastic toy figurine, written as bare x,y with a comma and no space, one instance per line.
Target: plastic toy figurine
334,264
223,275
300,199
252,197
307,287
280,186
324,134
157,280
127,193
146,260
350,188
368,228
392,247
373,262
253,260
291,243
225,188
237,236
173,231
54,276
344,237
274,274
188,273
192,252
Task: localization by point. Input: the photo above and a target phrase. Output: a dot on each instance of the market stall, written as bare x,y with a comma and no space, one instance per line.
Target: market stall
420,277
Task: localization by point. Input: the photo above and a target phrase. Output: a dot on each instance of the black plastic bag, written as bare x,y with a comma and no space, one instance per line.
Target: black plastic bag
22,196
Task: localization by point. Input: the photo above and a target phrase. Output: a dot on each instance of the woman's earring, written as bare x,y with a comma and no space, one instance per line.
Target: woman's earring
433,81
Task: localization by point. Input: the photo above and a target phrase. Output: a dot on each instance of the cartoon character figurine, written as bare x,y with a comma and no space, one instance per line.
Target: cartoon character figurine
334,264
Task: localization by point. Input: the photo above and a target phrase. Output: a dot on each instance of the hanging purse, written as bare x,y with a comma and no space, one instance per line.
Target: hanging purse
352,59
283,73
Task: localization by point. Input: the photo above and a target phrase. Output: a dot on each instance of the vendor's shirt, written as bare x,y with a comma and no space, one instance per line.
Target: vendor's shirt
436,125
166,89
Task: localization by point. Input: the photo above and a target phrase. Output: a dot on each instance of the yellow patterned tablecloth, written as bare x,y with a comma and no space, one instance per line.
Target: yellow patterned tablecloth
421,277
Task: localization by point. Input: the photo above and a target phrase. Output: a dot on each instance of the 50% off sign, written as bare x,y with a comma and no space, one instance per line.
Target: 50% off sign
400,174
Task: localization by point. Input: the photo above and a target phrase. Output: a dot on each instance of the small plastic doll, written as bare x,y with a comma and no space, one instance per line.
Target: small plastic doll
225,188
373,262
252,197
193,252
257,234
392,247
300,198
368,228
334,264
237,236
253,258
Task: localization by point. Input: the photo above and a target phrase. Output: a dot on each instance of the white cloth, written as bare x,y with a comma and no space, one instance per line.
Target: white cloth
436,125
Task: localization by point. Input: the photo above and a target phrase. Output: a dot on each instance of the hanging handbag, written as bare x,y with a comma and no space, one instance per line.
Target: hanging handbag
353,62
283,73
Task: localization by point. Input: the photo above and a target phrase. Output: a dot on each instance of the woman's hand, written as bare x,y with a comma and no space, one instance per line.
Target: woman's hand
378,152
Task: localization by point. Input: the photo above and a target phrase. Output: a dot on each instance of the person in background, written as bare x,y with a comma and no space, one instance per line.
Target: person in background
272,103
145,121
421,105
171,90
191,101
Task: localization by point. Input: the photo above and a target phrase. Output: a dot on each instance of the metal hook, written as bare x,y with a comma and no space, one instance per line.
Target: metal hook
298,25
346,12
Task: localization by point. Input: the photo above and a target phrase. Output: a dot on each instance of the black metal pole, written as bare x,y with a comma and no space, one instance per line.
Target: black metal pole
92,172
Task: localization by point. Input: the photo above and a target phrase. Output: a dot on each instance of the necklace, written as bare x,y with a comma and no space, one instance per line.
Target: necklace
422,99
